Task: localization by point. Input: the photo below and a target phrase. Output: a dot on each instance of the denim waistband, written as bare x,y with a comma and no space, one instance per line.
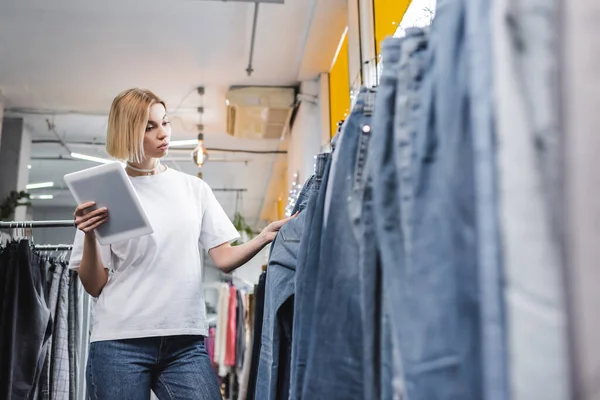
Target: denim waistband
313,184
365,102
320,165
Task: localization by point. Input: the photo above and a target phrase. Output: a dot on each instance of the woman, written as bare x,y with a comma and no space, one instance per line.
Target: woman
150,318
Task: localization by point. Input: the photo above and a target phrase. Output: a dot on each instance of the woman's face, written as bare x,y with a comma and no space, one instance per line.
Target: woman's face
158,132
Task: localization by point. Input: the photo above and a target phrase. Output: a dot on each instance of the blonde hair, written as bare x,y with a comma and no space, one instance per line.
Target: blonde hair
127,121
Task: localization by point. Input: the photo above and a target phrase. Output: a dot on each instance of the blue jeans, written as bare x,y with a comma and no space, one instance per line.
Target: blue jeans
273,380
389,164
174,367
335,364
307,266
440,325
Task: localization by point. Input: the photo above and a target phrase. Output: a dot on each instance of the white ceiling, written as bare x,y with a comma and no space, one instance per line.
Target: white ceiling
64,61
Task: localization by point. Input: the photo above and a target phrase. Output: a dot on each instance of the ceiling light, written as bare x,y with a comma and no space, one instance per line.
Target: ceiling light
200,155
39,185
42,197
179,143
91,158
29,167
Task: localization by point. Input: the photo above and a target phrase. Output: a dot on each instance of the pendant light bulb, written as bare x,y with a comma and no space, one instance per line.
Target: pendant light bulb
200,155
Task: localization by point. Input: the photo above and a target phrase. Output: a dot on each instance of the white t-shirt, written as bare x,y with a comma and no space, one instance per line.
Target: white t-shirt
155,288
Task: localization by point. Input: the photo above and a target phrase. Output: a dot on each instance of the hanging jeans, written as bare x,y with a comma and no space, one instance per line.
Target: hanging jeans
335,368
25,321
274,369
526,97
390,162
436,301
306,279
491,282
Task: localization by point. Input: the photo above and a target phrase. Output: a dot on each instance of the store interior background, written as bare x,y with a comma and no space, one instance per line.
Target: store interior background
64,61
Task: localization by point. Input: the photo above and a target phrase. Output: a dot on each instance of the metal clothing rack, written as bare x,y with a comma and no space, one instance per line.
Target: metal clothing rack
53,247
37,224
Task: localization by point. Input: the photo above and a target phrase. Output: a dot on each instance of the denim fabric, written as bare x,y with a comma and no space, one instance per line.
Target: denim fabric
376,332
307,265
334,157
273,379
525,85
173,367
439,297
335,355
408,105
387,219
493,321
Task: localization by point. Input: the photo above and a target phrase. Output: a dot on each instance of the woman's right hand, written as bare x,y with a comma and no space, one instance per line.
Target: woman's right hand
87,219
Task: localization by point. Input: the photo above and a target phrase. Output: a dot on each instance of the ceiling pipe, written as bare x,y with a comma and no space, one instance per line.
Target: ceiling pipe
187,149
249,70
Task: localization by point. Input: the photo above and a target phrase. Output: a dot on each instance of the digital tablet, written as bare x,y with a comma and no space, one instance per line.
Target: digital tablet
109,186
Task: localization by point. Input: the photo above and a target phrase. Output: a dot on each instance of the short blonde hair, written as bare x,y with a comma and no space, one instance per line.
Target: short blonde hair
127,121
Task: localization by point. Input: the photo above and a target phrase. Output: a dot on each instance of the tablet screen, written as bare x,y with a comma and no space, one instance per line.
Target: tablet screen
110,187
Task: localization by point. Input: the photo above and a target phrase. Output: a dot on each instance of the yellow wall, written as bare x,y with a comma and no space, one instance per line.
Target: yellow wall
388,14
339,85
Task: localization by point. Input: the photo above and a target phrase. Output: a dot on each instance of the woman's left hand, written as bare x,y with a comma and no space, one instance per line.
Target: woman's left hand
273,228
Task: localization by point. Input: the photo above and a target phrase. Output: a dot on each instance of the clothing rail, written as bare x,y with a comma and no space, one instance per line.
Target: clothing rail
37,224
54,247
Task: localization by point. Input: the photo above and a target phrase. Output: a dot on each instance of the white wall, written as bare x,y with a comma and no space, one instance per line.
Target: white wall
306,140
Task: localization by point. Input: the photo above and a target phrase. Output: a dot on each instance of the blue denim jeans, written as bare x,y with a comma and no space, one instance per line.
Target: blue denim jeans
439,294
390,164
335,355
491,282
273,380
174,367
306,278
525,41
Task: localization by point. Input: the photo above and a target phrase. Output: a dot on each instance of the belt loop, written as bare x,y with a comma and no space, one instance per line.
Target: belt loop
369,102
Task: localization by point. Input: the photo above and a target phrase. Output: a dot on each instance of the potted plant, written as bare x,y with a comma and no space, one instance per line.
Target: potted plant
14,200
246,233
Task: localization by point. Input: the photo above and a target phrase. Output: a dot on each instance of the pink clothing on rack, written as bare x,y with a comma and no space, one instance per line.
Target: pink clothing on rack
231,328
210,344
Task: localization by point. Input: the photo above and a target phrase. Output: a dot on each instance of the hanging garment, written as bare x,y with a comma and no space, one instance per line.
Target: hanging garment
60,364
390,162
382,249
24,320
54,278
334,367
526,86
437,296
491,282
259,304
221,334
245,376
273,381
73,337
240,337
306,276
231,328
